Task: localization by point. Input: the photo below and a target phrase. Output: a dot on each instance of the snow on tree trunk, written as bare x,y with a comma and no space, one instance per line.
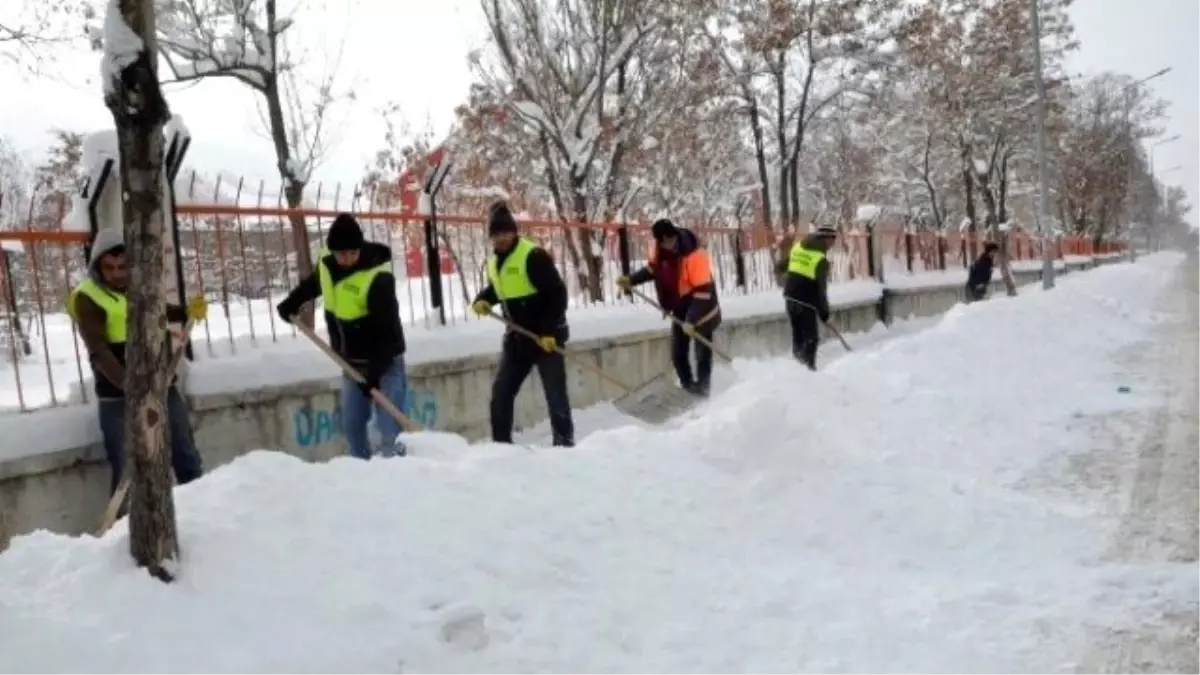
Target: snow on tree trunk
139,110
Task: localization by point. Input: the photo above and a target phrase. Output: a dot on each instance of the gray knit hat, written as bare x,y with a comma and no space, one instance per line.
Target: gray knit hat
107,240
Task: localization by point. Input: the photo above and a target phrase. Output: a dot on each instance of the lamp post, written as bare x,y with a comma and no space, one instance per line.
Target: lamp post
1154,185
1132,89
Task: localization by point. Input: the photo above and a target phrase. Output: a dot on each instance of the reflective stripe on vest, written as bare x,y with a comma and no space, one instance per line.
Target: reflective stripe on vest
346,299
804,262
511,282
114,305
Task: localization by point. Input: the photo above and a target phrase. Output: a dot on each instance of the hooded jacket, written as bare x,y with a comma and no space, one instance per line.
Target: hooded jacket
683,281
811,292
374,341
106,359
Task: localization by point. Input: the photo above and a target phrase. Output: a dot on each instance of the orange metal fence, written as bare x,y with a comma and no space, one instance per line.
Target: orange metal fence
243,259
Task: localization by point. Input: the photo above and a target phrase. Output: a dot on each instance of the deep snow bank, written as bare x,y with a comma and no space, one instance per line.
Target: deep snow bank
874,516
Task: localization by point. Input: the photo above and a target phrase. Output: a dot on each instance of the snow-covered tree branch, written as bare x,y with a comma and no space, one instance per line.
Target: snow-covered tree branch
247,40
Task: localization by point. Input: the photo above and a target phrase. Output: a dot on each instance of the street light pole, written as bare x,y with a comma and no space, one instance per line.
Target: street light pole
1043,221
1154,187
1133,88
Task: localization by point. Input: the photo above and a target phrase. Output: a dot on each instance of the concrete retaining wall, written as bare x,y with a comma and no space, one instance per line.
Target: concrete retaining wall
65,489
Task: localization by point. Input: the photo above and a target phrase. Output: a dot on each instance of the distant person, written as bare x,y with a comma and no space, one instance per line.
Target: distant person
524,282
682,274
979,279
100,309
355,283
806,291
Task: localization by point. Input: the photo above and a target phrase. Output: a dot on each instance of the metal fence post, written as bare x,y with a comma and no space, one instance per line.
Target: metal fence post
433,253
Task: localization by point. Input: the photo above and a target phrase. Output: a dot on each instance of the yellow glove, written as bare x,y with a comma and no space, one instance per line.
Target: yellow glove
688,329
624,283
481,307
197,308
548,343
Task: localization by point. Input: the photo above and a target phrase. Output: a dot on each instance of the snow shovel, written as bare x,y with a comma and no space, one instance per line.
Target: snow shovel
658,399
835,331
118,496
351,372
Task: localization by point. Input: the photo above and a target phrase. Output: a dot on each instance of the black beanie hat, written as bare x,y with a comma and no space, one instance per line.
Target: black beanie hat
663,228
500,219
344,234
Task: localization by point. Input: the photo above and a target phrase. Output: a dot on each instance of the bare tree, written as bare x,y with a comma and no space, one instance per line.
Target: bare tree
790,60
133,95
916,166
982,90
692,168
246,40
571,71
16,186
31,29
1099,160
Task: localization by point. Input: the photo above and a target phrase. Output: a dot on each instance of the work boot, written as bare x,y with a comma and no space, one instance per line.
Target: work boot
807,360
700,389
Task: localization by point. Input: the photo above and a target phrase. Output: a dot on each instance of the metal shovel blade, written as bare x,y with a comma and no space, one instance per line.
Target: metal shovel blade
656,400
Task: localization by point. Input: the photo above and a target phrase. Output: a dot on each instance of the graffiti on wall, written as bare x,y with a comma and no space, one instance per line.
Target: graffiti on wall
313,426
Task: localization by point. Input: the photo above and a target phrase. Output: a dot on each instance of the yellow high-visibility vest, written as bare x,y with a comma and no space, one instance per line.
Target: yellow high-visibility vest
346,299
511,281
804,261
115,306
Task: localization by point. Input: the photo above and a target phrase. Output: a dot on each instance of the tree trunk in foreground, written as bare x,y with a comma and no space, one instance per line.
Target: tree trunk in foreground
139,111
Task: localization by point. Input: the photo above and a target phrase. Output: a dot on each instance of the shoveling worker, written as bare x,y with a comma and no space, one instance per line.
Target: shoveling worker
523,280
683,280
99,307
980,275
358,290
806,291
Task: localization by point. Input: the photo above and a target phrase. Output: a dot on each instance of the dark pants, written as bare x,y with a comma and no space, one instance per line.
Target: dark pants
517,358
976,293
681,345
806,333
184,458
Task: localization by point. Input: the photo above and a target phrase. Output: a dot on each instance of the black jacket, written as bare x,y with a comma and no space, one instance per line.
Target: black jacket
811,292
981,272
374,341
666,270
545,312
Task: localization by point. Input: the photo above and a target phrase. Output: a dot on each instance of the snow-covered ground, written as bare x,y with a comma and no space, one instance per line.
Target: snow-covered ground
910,508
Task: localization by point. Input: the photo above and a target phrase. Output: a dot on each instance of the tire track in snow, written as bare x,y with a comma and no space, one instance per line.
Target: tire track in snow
1160,522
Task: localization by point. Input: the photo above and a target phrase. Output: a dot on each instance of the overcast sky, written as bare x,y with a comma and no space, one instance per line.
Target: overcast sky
414,52
1141,37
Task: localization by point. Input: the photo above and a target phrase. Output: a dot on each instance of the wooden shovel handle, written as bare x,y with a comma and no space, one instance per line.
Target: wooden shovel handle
699,338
